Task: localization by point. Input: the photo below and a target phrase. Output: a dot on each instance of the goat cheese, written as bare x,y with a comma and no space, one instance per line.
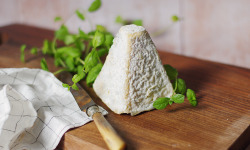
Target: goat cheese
132,77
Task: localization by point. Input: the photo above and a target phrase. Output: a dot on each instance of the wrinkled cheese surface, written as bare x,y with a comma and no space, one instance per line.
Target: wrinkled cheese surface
132,77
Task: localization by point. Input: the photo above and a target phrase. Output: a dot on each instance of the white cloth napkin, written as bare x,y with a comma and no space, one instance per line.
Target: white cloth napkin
35,110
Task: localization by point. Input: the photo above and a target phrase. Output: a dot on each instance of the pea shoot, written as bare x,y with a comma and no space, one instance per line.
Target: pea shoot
180,89
22,56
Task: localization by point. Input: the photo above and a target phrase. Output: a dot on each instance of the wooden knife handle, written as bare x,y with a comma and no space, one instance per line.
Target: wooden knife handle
110,136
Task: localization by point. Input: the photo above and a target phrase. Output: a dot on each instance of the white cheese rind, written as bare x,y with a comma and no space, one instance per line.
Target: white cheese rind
132,77
147,78
111,84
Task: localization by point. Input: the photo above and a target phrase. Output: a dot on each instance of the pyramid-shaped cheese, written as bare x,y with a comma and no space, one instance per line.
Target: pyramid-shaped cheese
132,77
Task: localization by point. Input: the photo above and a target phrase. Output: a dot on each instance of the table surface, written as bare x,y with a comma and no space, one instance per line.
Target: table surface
220,121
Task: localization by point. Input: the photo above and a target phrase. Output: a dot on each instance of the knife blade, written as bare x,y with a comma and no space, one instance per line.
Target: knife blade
86,104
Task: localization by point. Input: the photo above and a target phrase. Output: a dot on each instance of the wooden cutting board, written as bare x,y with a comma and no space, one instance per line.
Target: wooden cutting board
221,117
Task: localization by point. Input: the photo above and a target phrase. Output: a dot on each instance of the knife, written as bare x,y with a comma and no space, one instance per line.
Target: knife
86,104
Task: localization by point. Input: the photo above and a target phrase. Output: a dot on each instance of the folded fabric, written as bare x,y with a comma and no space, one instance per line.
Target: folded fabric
35,110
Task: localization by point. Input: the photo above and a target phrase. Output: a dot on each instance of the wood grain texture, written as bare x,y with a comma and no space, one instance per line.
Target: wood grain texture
221,116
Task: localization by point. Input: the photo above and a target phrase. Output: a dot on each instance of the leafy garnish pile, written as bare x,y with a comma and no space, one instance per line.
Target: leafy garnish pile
77,53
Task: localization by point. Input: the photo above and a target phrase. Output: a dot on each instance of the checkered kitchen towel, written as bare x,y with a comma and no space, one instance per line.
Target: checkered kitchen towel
35,110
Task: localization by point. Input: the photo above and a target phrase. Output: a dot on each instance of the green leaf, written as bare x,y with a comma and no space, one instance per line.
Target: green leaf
91,60
193,103
61,33
83,34
178,98
119,19
95,5
57,19
102,52
80,15
78,77
46,47
108,40
70,63
33,50
44,65
69,39
22,55
175,18
92,33
74,86
57,62
171,72
161,103
101,28
181,86
93,73
98,39
66,86
137,22
79,69
65,52
80,45
191,95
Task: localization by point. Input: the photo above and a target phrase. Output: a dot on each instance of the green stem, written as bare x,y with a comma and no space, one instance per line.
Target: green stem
59,71
161,31
87,50
81,61
176,84
54,45
62,63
